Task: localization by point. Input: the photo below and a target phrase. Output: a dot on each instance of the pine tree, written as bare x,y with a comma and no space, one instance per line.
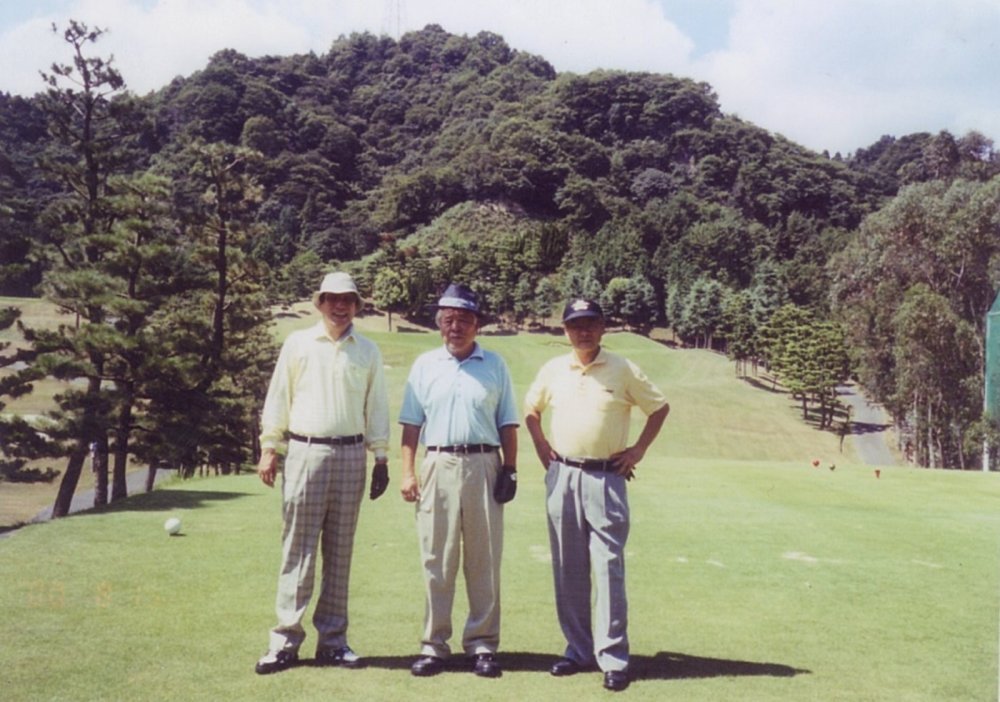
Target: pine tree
203,404
90,143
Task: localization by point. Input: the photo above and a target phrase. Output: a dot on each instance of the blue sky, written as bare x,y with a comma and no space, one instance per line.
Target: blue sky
832,75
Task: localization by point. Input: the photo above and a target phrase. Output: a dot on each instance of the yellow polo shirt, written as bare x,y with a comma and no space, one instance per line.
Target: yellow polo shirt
591,404
327,387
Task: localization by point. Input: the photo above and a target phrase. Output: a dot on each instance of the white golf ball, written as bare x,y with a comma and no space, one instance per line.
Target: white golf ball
172,526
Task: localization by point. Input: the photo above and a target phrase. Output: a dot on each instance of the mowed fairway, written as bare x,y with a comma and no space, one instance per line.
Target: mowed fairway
752,575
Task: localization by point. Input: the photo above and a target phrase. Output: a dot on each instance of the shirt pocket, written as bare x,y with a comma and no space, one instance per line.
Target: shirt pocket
602,398
354,377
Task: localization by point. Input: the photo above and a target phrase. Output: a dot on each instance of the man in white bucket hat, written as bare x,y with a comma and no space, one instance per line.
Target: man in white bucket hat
328,398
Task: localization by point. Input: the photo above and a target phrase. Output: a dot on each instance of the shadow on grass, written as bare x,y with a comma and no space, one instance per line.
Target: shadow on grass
766,385
678,666
868,427
664,665
160,500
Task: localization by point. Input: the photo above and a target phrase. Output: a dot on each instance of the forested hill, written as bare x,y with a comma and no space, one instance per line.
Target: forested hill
439,157
631,173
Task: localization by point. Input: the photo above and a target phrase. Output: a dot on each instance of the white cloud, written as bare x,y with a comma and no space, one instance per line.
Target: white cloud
24,51
839,75
573,35
154,42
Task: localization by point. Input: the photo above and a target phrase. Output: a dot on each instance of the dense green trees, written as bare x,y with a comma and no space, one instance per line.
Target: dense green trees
165,316
809,357
914,287
440,156
90,145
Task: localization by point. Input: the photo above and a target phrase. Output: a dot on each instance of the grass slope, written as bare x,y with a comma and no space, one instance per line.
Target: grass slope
752,575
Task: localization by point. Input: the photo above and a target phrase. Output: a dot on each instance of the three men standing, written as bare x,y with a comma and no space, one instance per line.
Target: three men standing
459,402
328,396
588,461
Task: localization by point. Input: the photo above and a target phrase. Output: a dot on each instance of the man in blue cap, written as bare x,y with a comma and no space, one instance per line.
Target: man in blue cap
459,402
591,393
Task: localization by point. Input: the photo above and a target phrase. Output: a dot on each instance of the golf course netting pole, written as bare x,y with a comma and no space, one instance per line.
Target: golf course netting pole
991,381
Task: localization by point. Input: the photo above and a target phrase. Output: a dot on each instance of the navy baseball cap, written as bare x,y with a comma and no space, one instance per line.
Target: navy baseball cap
579,308
459,297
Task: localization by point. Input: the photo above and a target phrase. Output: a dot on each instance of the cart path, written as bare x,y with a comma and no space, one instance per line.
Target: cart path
869,428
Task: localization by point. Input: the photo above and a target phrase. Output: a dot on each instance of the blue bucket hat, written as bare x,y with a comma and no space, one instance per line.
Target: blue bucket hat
460,297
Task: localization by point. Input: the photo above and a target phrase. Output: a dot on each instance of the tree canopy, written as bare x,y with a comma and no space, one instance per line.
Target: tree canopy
438,156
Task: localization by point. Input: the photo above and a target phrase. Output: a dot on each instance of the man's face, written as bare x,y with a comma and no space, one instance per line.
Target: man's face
458,329
338,310
585,334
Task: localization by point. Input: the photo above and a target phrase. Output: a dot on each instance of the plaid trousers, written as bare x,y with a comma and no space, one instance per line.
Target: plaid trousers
322,488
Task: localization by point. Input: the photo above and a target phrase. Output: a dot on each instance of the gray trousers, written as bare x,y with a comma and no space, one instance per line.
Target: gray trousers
321,489
588,526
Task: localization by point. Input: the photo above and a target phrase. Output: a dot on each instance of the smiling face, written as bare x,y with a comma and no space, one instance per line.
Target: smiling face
338,310
458,329
585,335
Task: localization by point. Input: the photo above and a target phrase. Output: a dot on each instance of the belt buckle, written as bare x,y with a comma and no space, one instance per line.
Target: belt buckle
462,449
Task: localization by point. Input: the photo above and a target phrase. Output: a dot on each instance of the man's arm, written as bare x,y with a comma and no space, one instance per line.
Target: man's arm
377,408
533,422
626,461
409,487
274,417
508,445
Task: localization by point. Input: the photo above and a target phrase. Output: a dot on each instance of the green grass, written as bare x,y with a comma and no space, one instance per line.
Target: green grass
747,580
752,575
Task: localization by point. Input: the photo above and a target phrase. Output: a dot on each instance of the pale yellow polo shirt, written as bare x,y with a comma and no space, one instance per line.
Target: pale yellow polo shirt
327,387
591,404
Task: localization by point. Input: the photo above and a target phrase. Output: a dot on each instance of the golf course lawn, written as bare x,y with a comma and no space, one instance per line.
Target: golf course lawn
752,574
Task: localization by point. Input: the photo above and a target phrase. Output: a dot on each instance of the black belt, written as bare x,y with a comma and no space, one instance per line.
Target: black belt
465,448
328,440
589,464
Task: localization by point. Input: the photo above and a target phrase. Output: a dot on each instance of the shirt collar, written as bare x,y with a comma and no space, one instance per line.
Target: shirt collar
319,332
477,352
600,358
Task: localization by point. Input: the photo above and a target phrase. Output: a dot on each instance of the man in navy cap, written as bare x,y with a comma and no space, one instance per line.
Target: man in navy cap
591,392
459,402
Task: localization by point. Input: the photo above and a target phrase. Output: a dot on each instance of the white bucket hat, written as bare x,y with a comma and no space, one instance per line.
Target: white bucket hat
337,283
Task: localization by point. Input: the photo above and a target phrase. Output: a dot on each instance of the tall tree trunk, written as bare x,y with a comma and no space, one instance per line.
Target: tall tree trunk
99,455
150,477
931,458
67,488
119,488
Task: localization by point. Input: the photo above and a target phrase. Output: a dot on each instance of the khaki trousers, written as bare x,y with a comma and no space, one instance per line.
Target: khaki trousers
322,487
458,519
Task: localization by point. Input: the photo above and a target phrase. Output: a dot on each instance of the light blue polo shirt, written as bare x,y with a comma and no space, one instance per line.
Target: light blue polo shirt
459,402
